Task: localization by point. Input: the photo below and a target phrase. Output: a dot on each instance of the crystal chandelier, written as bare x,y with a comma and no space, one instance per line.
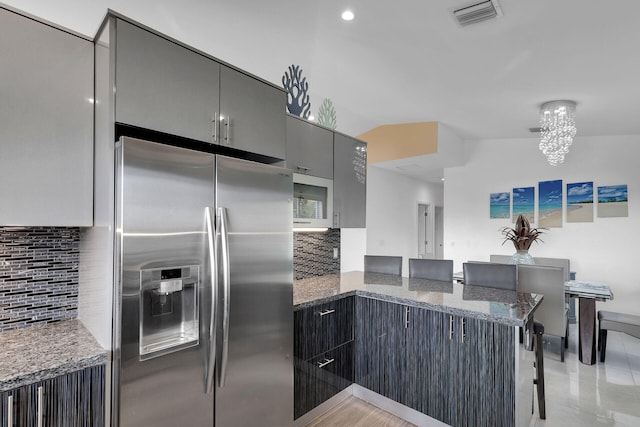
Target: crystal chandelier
557,129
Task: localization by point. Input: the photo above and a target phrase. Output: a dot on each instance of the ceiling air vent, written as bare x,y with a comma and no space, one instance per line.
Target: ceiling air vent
477,12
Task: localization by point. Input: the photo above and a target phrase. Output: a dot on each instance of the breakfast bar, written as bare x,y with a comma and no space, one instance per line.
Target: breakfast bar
441,349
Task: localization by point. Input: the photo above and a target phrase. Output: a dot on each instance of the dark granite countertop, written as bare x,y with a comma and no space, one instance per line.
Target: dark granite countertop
36,353
496,305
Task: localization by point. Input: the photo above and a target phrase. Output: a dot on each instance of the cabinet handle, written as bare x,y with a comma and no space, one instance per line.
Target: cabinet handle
406,317
303,169
215,127
10,411
302,222
39,410
324,313
325,363
227,134
462,330
450,327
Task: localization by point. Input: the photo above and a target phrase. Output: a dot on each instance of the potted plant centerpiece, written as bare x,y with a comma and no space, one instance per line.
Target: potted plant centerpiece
522,236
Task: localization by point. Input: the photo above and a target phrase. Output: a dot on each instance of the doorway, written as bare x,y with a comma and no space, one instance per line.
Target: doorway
438,235
430,231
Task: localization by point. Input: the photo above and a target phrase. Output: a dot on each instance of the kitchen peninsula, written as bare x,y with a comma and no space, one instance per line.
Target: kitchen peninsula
442,349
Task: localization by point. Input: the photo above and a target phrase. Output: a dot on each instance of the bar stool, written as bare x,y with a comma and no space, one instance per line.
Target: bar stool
383,264
538,381
431,269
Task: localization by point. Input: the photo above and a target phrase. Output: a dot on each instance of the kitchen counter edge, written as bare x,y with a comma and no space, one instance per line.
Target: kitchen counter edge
322,297
37,353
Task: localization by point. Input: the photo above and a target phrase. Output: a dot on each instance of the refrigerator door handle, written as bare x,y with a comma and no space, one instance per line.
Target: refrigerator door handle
213,256
226,280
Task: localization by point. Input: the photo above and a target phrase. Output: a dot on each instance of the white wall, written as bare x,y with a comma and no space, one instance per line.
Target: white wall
392,212
353,247
603,250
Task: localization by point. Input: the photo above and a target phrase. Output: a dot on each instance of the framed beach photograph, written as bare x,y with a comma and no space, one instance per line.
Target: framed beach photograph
580,202
499,205
550,203
523,203
613,201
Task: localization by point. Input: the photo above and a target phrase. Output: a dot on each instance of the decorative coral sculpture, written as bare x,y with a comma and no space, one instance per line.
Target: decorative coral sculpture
297,89
523,235
327,114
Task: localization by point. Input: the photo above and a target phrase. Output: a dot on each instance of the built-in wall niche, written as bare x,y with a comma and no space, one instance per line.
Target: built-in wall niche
316,253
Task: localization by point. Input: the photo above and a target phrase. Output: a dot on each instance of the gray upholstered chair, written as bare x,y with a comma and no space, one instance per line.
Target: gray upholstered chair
558,320
383,264
548,281
491,275
500,259
433,269
505,276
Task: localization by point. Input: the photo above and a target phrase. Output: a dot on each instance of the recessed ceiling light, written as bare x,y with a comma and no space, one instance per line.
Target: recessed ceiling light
441,179
347,15
311,117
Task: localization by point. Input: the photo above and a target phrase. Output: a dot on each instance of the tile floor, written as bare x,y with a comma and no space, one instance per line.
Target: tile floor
604,394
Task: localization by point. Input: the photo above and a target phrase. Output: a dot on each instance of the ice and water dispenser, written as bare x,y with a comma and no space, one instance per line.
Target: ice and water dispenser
168,310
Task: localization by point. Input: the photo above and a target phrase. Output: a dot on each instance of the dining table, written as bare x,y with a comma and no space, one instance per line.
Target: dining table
588,293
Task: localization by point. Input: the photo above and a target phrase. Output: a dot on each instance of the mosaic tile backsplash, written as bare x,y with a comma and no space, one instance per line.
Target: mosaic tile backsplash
313,253
38,275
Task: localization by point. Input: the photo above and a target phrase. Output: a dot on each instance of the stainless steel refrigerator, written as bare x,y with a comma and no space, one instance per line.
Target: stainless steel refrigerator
203,315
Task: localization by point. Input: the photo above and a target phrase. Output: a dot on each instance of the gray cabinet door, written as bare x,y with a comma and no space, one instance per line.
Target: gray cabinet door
253,114
46,125
349,182
163,86
309,148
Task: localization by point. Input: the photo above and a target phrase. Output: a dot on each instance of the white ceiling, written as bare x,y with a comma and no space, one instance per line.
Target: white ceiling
409,61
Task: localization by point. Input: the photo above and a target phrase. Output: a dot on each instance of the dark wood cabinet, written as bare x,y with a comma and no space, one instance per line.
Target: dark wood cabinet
323,327
71,400
323,350
456,369
380,346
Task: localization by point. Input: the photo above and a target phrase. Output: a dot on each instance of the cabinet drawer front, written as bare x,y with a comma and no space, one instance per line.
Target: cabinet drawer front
323,327
322,377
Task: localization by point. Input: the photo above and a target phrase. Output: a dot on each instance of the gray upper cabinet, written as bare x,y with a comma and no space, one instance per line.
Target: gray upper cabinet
46,125
309,148
253,114
349,182
167,87
163,86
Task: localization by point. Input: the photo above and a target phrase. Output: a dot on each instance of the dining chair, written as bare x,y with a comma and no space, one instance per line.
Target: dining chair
548,281
383,264
490,275
432,269
560,320
505,276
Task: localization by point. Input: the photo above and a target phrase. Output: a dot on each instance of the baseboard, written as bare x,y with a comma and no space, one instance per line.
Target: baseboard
377,400
324,407
395,408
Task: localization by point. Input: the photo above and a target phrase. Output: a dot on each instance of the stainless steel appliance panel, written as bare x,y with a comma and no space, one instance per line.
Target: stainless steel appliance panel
163,192
254,367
